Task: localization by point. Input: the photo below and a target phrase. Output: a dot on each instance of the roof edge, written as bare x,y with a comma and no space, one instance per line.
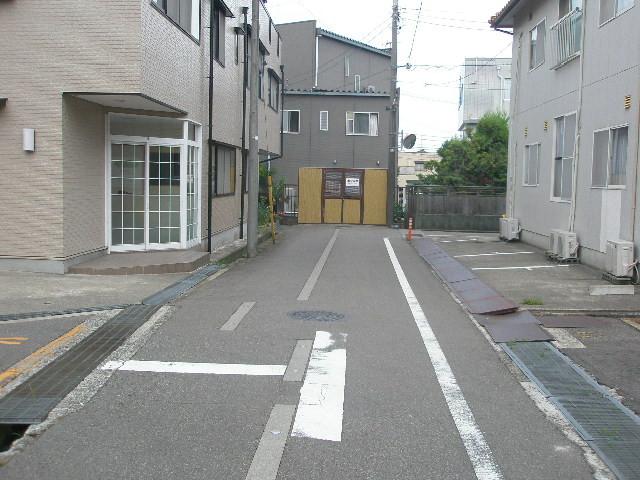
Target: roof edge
351,41
498,20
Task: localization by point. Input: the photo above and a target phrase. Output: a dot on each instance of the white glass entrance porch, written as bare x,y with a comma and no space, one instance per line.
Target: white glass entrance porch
154,184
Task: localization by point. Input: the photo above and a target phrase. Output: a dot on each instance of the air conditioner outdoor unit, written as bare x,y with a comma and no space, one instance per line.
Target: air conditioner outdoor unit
509,229
620,258
567,245
554,242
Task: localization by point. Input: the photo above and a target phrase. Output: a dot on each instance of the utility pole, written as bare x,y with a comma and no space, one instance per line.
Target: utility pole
245,84
393,117
252,162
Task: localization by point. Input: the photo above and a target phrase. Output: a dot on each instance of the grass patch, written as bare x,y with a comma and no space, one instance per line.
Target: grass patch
532,301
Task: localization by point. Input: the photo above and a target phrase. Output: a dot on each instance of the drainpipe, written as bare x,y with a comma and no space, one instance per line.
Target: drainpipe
243,176
210,176
576,154
511,208
636,180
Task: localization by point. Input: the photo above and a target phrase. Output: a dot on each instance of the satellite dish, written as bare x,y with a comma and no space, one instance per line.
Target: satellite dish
409,141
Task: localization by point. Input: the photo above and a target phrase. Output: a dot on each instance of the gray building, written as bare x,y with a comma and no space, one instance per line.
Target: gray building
573,158
485,87
104,124
336,101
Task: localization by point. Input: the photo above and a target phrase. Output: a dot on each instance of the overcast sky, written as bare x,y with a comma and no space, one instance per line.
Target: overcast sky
447,32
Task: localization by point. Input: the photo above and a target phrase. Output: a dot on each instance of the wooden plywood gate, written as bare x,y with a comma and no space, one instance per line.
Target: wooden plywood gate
342,195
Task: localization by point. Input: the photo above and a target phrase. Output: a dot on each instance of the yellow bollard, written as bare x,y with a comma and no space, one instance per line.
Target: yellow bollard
273,223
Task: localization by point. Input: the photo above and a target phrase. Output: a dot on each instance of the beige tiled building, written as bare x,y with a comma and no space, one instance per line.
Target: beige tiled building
114,96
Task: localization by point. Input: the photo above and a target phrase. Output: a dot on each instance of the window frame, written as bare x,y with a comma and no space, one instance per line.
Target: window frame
353,133
273,79
544,51
525,164
357,83
157,5
553,198
220,18
610,130
616,14
287,122
232,184
326,112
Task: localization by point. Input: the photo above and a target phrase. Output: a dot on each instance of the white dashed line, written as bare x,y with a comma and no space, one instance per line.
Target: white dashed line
237,316
305,293
477,448
201,368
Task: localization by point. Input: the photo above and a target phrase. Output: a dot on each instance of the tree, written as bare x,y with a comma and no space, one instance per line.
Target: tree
480,159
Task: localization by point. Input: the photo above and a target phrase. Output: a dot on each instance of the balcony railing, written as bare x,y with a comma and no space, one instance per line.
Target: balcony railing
566,38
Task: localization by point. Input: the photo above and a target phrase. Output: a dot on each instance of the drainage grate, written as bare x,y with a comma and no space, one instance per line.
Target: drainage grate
316,316
180,288
32,401
607,425
61,313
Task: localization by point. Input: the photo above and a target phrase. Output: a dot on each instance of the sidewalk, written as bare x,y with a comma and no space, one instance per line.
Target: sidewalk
609,351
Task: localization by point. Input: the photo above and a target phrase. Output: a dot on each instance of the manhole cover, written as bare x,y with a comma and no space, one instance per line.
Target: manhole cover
316,315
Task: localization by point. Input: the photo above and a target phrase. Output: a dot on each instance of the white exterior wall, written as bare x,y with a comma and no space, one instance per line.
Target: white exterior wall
611,71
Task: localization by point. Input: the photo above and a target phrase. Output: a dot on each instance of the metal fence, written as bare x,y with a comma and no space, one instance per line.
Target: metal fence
476,209
287,204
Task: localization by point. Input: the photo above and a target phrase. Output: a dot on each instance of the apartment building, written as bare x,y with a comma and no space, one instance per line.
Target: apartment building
573,158
104,126
336,104
485,87
410,166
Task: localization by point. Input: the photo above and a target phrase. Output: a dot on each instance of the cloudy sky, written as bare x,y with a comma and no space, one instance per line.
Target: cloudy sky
447,32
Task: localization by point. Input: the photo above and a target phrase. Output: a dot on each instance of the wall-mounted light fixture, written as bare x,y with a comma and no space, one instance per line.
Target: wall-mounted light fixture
3,101
29,139
335,161
378,162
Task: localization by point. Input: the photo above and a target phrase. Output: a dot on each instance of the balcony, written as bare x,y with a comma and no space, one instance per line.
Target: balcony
566,38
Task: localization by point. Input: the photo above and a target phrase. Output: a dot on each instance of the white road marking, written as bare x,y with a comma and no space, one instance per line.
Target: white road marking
321,405
266,460
305,293
237,316
530,268
203,368
298,363
493,254
477,448
563,339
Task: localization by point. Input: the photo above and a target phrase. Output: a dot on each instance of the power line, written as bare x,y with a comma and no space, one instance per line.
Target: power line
415,31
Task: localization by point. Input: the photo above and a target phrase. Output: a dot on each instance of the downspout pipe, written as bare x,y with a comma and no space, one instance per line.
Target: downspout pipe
245,80
576,153
210,174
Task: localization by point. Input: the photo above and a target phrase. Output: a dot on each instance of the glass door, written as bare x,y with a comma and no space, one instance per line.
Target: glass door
128,184
164,195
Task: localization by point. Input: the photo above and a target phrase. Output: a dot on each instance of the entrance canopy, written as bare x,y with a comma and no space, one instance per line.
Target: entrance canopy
134,101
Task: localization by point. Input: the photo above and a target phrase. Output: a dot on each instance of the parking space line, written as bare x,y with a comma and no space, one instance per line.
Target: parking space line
266,460
477,448
305,293
197,368
237,316
321,405
493,254
532,267
298,363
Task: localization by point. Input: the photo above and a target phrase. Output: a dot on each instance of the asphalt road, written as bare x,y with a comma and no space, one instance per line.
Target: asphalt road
399,420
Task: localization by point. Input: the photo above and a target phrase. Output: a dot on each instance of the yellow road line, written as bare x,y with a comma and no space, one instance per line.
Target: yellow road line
12,340
39,355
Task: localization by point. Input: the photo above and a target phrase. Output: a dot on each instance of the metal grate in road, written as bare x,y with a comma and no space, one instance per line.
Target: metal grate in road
607,425
32,400
316,315
180,288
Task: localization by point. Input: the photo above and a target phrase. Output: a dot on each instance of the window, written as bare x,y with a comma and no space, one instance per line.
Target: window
270,27
506,89
236,45
346,66
184,13
291,121
610,9
274,91
278,43
324,121
261,74
536,45
531,165
357,85
219,21
567,6
225,170
563,160
610,150
362,123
